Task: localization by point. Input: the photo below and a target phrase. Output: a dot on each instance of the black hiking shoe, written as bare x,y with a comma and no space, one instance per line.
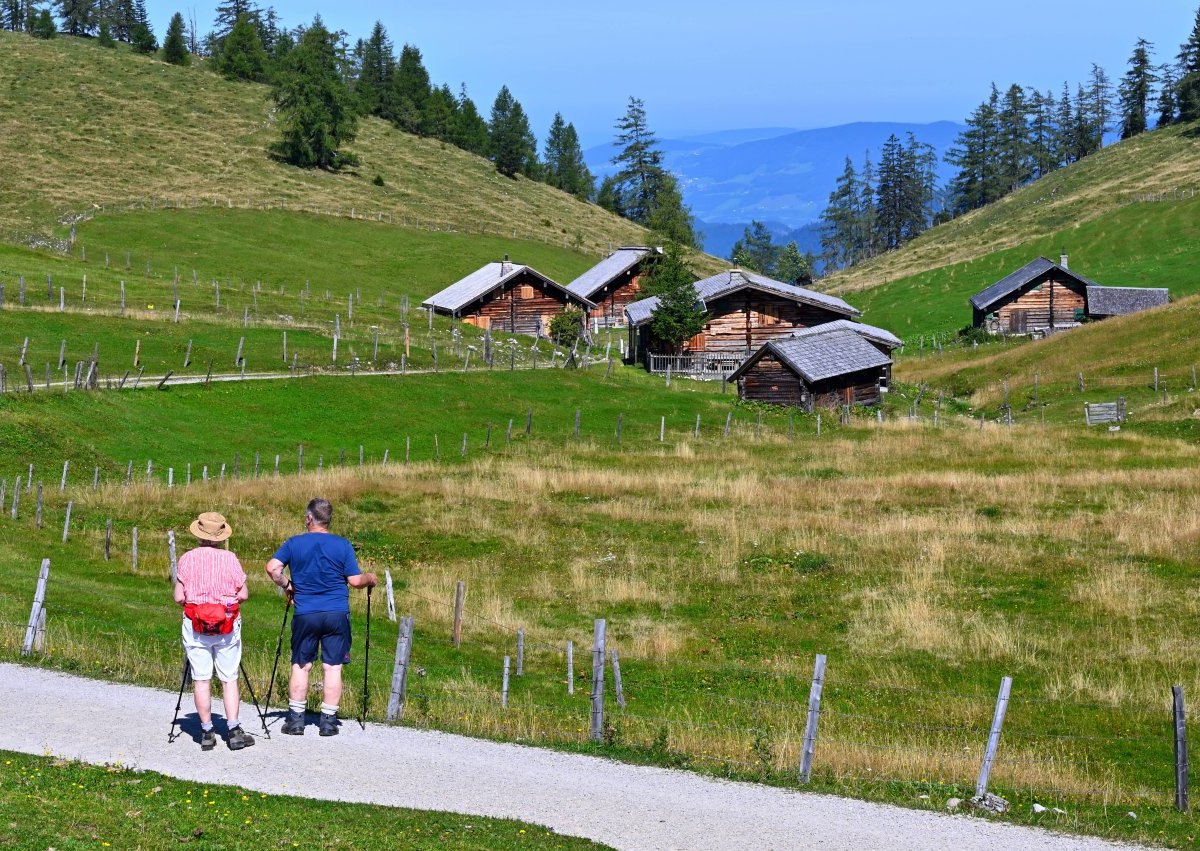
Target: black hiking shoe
208,740
328,725
239,738
294,724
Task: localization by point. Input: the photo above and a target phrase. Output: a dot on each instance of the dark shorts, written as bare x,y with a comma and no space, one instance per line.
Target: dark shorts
331,630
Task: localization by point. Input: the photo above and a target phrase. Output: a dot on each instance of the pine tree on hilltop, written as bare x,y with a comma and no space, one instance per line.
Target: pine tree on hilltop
79,17
793,267
316,110
175,50
1188,88
510,141
104,38
242,56
470,130
405,101
562,157
229,12
1135,89
377,60
43,26
755,250
678,316
143,39
640,162
1166,96
441,113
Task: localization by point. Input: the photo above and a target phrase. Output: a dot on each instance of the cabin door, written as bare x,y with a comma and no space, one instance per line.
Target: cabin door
1018,322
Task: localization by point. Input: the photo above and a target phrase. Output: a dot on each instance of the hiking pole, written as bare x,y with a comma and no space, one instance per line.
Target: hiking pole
362,721
278,650
183,679
254,697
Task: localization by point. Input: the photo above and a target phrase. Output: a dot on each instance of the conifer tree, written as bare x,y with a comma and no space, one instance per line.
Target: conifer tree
840,220
1166,96
640,162
316,111
43,26
510,141
407,98
79,17
175,48
377,60
143,39
242,56
1135,89
470,130
608,196
441,113
1099,106
793,267
755,250
672,218
1188,88
563,165
678,316
104,38
229,12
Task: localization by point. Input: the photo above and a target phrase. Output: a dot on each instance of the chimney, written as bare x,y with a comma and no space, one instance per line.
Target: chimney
505,267
1062,260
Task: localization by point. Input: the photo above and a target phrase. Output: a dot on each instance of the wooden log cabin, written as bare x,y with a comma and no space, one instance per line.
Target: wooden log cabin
507,297
613,283
744,310
828,368
1043,297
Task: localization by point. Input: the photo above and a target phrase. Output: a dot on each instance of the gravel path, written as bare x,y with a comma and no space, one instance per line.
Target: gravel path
622,805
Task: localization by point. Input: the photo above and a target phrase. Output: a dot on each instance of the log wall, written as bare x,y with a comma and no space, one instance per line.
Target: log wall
525,306
1048,303
612,298
743,321
768,380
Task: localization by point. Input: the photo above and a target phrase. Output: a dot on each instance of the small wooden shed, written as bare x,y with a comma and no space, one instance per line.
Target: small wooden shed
507,297
744,310
835,367
1043,297
613,283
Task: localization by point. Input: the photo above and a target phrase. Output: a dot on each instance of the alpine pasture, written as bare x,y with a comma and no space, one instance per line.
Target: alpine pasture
724,544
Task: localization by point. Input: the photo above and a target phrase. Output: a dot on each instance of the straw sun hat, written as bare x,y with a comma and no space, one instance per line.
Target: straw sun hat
211,526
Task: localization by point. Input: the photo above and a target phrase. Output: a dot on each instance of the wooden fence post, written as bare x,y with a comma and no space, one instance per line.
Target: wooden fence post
173,562
993,742
391,595
67,523
662,429
395,707
36,615
814,714
108,539
696,430
504,686
16,498
1181,753
62,485
134,551
728,423
616,666
597,730
570,667
460,598
520,651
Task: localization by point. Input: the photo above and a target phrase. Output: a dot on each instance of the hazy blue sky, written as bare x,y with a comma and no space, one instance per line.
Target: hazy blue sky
702,65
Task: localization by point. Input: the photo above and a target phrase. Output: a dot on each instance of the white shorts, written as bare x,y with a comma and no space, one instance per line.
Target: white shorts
203,650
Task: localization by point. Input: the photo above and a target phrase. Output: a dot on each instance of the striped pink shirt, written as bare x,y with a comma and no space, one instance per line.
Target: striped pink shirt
210,575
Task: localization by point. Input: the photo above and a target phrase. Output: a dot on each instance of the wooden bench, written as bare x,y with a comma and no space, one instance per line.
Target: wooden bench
1095,413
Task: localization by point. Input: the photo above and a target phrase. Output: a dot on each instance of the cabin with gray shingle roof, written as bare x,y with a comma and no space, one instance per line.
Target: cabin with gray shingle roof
1043,297
506,297
614,282
743,310
837,366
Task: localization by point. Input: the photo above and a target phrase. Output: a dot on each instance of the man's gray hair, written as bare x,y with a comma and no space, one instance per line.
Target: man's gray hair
320,511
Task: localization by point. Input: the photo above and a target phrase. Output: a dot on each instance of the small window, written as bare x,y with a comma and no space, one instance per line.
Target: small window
526,291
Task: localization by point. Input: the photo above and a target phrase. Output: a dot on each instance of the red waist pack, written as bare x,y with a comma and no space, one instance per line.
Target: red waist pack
211,618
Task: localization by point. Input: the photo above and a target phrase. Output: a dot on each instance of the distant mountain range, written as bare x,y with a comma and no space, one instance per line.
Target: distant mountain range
776,175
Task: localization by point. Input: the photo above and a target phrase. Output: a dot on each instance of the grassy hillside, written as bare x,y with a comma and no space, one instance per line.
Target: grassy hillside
1047,211
926,563
85,126
1117,357
1154,244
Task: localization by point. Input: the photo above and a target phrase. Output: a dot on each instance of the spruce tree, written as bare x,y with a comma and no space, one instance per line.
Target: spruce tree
441,113
670,217
470,130
678,316
1013,148
242,56
43,26
407,98
376,62
105,39
79,17
143,39
1134,91
793,267
1064,129
562,157
1188,88
510,141
229,12
755,250
840,221
640,162
175,49
1166,96
1099,106
608,196
316,111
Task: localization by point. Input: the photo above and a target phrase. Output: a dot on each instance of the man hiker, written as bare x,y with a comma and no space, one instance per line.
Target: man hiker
210,584
321,565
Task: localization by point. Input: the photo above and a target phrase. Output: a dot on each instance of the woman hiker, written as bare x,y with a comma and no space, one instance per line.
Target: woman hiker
210,584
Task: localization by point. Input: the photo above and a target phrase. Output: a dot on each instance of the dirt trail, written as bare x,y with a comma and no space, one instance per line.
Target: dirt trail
621,805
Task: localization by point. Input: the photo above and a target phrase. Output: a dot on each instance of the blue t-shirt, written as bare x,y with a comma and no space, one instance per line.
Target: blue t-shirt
319,563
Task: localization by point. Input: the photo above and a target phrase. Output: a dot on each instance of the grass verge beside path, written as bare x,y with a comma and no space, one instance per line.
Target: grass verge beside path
55,803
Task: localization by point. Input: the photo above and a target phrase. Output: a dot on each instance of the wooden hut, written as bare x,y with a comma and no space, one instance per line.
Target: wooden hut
744,310
507,297
1043,297
613,283
883,340
837,366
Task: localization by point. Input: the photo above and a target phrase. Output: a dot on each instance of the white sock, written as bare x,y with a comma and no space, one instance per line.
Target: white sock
234,724
206,726
296,705
326,709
